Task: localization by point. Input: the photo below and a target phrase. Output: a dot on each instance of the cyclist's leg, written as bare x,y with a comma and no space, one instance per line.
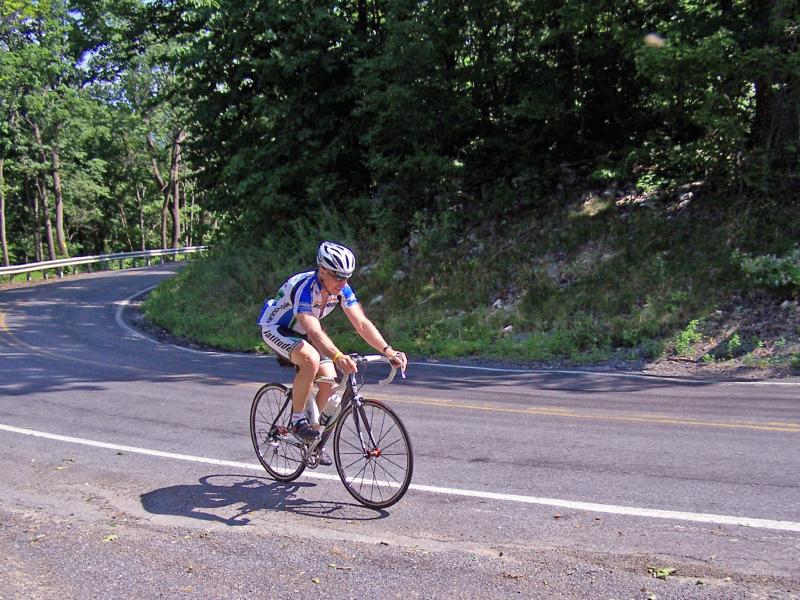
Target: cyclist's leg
326,369
306,359
291,346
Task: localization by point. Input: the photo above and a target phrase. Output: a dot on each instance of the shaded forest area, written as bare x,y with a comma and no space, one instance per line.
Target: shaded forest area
381,111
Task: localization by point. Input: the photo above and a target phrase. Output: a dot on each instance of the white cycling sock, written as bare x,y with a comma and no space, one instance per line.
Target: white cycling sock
298,416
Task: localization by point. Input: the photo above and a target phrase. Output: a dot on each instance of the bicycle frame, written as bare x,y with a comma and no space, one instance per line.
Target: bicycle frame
349,396
370,445
347,387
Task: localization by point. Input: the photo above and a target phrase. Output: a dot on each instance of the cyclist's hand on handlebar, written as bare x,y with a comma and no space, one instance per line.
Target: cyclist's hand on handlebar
346,364
399,361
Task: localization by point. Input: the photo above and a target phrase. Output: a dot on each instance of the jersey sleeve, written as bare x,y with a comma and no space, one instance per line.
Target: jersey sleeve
348,297
304,302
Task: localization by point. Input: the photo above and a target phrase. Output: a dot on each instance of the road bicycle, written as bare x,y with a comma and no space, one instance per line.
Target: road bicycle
371,447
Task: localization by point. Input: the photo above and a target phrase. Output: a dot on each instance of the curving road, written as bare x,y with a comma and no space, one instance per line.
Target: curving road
128,471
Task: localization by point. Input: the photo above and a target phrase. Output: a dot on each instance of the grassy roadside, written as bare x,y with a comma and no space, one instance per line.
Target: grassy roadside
607,277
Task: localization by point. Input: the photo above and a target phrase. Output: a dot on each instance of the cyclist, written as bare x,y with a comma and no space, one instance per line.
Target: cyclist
290,325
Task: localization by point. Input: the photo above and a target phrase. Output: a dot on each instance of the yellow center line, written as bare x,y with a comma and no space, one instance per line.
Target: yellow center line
3,326
571,414
531,410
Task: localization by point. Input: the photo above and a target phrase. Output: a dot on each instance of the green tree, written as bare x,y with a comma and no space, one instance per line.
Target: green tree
724,93
270,87
132,66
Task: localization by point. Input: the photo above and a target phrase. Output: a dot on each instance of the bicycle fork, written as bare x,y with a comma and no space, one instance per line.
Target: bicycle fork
371,449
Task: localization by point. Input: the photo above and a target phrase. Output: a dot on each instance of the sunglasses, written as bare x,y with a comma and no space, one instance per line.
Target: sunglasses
337,276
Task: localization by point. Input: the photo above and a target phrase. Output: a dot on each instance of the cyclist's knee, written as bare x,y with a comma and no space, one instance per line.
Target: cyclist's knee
306,358
326,369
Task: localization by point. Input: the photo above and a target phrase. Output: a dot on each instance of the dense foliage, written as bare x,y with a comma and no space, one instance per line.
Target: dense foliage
387,111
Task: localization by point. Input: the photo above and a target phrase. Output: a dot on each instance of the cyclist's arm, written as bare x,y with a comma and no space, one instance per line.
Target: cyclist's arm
370,334
322,342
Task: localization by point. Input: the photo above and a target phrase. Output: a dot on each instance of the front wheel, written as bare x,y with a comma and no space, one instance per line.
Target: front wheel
278,451
373,454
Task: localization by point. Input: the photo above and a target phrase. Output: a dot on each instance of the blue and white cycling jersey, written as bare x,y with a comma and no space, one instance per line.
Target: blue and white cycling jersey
302,294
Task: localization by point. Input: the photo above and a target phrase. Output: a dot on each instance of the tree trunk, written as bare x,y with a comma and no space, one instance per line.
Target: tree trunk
201,225
41,189
176,215
3,243
124,221
162,186
761,132
361,21
174,184
164,218
140,202
56,173
33,201
189,231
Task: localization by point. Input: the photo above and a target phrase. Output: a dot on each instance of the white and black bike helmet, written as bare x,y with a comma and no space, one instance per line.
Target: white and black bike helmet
336,258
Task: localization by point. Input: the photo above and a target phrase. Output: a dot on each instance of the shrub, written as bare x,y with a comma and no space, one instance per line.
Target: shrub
772,272
688,337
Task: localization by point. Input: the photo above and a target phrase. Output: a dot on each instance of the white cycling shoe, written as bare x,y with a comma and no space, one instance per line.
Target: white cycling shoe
324,457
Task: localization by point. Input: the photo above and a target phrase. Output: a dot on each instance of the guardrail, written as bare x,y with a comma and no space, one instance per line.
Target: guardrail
58,265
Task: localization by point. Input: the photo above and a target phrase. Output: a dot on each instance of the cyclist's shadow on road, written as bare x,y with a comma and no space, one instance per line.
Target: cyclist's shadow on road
229,499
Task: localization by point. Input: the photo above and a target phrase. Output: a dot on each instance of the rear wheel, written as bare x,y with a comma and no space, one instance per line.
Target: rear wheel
278,451
373,454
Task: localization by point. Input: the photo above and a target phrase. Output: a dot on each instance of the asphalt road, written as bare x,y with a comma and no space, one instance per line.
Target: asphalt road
128,472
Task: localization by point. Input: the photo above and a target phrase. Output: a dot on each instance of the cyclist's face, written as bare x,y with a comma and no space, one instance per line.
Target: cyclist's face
333,282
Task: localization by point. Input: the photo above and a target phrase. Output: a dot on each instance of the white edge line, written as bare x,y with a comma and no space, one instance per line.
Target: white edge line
145,451
569,504
123,304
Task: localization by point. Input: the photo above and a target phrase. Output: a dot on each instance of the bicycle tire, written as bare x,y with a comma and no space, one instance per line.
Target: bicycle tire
277,450
380,477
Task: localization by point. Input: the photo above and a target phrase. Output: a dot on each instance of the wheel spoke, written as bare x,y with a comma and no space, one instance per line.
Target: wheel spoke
380,476
279,453
389,460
